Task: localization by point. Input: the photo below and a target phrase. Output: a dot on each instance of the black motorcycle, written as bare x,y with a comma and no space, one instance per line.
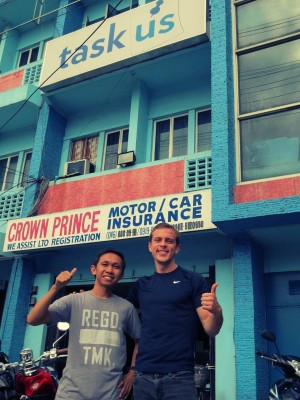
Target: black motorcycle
287,388
7,379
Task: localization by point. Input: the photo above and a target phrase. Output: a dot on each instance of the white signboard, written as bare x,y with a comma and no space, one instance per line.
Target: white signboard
187,212
139,34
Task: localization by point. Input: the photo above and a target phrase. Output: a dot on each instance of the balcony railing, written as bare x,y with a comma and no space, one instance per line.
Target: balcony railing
32,73
29,74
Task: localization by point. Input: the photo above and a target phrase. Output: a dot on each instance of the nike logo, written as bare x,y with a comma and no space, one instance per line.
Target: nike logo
176,282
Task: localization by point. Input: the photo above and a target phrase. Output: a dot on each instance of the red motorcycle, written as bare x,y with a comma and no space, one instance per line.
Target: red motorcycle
35,379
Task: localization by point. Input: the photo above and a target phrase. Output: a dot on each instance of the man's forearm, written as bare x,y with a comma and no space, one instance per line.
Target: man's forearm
40,314
213,323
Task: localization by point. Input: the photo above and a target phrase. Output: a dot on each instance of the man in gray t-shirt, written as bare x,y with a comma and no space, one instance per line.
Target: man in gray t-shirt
98,321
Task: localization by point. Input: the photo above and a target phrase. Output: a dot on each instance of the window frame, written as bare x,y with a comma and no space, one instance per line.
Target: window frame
171,137
18,174
3,187
120,145
199,111
85,148
29,50
240,117
25,178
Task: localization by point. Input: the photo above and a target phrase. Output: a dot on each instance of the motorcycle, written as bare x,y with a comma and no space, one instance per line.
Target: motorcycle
7,379
35,379
287,388
202,381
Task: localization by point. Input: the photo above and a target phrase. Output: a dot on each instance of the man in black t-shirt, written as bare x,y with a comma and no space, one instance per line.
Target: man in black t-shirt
171,302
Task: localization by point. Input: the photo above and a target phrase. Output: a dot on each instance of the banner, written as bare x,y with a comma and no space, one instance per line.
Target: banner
128,220
134,36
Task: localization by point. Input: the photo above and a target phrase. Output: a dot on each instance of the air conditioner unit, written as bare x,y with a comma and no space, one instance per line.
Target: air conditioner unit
79,167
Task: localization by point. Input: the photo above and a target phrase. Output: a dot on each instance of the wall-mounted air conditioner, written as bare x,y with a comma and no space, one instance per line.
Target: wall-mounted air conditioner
79,167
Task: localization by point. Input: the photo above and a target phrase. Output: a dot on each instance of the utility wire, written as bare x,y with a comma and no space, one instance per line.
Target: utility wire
39,17
11,33
57,69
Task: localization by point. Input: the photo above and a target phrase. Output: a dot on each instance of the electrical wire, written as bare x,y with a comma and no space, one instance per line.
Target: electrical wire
16,171
42,191
17,185
37,18
11,33
57,69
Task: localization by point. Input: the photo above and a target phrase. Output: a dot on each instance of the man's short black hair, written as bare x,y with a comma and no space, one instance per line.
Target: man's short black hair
118,253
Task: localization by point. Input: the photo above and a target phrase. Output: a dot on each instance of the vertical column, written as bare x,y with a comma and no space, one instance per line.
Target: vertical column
69,19
46,156
222,100
225,349
8,45
16,308
249,319
138,124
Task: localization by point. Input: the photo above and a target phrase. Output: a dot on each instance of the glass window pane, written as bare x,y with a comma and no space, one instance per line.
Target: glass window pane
11,172
112,145
204,131
270,145
34,54
25,175
125,140
78,150
180,136
24,58
270,77
92,149
162,140
3,164
134,3
262,20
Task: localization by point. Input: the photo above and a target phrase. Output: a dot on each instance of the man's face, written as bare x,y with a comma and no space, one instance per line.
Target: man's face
108,270
163,245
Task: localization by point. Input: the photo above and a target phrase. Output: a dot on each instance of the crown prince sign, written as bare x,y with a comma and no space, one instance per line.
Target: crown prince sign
129,220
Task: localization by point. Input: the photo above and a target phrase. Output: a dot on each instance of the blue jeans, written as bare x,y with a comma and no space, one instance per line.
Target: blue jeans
171,386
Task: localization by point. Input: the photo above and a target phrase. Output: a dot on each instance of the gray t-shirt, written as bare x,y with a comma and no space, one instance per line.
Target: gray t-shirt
97,344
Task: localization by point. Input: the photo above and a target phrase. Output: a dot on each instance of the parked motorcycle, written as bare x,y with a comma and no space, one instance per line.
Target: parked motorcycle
7,379
35,379
202,381
287,388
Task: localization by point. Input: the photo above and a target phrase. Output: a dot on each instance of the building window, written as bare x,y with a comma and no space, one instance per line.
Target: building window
8,168
28,56
171,137
203,131
116,142
26,167
10,177
86,148
268,112
93,21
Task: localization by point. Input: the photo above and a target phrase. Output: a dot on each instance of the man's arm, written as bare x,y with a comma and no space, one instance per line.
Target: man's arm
40,312
127,382
210,312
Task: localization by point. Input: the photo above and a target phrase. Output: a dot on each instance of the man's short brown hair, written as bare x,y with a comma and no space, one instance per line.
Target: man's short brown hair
165,225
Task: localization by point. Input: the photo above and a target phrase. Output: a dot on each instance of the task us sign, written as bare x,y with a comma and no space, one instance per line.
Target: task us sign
187,212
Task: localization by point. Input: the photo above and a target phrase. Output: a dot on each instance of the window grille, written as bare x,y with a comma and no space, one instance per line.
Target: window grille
198,173
11,205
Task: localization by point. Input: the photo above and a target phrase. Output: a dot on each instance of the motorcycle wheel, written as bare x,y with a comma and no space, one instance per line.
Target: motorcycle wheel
285,390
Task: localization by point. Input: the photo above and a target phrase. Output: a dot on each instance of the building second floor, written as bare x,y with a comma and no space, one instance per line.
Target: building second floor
203,115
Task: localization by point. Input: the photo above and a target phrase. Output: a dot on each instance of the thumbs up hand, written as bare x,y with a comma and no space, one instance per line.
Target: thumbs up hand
64,277
209,301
